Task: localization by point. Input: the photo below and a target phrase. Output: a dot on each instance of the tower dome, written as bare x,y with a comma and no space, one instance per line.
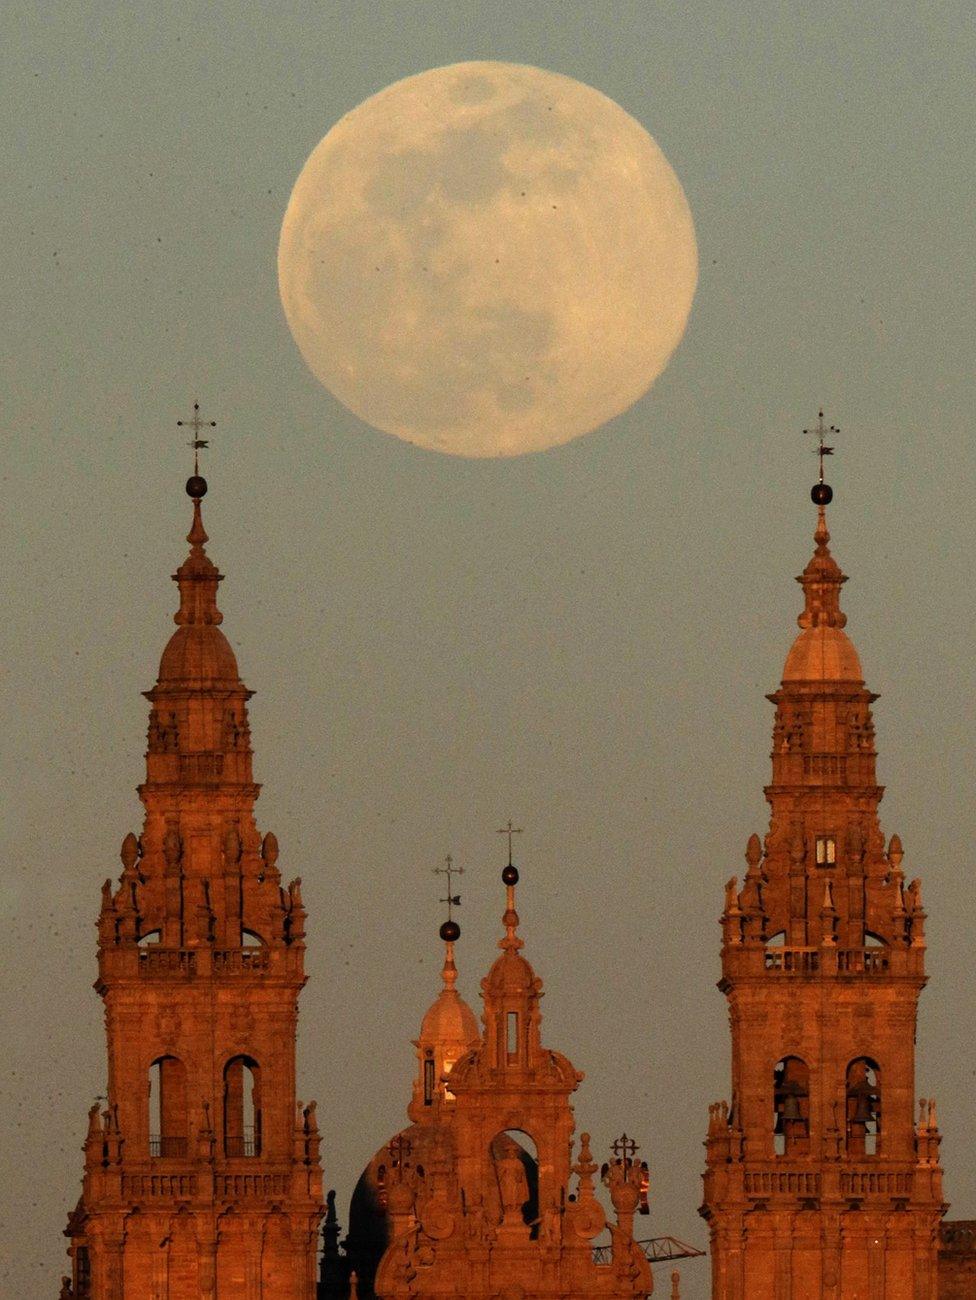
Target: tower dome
448,1031
450,1022
823,652
198,653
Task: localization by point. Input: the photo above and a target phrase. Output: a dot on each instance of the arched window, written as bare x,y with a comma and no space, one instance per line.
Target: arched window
863,1107
791,1106
167,1108
242,1107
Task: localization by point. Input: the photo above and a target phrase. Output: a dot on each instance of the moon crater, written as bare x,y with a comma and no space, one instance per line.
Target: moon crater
487,259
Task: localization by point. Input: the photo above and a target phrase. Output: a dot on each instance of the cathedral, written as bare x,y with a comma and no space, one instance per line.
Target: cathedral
202,1173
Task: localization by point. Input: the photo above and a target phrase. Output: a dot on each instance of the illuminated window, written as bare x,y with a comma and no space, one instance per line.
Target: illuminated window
448,1066
826,851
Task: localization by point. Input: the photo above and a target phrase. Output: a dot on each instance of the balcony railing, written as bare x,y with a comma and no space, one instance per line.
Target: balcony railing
154,960
862,961
876,1182
782,1181
246,1144
808,961
793,961
240,961
167,1148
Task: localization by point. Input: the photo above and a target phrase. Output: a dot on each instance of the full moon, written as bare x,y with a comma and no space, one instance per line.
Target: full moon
487,259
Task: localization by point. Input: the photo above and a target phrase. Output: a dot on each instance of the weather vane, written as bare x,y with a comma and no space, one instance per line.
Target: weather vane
197,443
510,830
822,493
822,433
449,870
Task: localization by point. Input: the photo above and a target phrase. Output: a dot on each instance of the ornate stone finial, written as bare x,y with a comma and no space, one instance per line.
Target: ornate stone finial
585,1166
269,857
585,1213
353,1286
129,853
754,853
675,1285
896,853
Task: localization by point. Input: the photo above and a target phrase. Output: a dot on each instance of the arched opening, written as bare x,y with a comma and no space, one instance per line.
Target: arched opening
872,940
791,1106
151,936
167,1108
863,1089
777,940
242,1107
516,1163
249,939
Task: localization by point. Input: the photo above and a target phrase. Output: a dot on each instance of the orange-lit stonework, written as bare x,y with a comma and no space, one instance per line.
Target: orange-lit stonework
202,1173
823,1177
480,1197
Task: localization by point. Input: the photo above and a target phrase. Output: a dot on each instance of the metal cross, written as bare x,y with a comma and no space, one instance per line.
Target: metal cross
399,1150
449,870
510,830
822,433
625,1148
196,424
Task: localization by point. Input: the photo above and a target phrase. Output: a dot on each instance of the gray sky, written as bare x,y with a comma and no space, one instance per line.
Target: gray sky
580,640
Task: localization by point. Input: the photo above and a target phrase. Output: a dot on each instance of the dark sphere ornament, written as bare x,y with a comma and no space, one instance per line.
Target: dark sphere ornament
196,486
450,931
821,494
510,875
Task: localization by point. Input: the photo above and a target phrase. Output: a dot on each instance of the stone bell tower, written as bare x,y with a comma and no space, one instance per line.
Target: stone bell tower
819,1182
202,1174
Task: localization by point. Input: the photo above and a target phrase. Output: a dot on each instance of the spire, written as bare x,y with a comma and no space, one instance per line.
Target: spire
511,942
822,580
448,1031
510,919
198,576
198,653
823,651
448,970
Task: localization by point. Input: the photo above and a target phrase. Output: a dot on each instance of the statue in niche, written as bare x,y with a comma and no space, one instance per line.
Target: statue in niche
513,1186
